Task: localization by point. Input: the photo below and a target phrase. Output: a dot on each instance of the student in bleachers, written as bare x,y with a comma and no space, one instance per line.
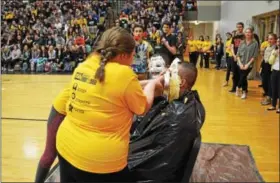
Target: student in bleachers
6,57
15,57
26,55
46,23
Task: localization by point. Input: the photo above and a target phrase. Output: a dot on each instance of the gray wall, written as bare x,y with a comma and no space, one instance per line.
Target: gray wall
209,13
190,16
243,11
209,10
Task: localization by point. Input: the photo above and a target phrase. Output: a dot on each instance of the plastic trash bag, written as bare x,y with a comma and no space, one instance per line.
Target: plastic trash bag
161,139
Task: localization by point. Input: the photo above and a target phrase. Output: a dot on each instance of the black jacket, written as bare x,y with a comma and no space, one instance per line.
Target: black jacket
161,139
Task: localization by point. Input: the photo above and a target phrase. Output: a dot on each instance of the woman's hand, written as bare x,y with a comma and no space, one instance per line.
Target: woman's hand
246,67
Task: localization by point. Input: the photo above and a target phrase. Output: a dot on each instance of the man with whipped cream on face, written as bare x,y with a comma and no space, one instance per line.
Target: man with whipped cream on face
161,140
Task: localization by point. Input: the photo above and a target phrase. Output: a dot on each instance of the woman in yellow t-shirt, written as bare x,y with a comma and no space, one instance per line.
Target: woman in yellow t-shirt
192,44
206,46
199,43
104,93
229,58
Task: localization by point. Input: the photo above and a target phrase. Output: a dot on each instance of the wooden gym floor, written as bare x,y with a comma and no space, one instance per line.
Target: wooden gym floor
229,120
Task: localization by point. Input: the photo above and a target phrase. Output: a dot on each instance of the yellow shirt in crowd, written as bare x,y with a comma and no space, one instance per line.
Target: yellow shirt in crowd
192,46
264,45
199,44
228,47
206,46
9,15
94,135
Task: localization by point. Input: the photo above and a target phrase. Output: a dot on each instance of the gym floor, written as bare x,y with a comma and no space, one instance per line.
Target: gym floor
26,102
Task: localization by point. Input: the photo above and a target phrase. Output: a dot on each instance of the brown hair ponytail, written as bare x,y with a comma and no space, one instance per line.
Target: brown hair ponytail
113,42
106,55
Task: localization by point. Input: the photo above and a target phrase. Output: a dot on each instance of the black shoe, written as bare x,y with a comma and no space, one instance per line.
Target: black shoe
232,91
260,86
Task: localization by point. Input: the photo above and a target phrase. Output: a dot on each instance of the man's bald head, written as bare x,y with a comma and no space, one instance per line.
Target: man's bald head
188,74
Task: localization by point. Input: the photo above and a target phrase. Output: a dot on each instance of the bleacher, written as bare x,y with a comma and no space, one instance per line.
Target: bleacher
49,36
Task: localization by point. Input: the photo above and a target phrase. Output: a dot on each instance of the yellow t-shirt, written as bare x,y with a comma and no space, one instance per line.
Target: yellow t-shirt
264,45
82,21
199,44
206,46
228,47
94,135
192,46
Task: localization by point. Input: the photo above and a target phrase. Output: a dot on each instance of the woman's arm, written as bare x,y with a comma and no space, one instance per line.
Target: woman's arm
255,55
273,57
139,101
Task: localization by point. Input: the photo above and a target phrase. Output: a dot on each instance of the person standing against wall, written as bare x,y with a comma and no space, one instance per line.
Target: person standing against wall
199,49
206,48
246,56
236,40
219,51
193,50
228,57
275,77
266,69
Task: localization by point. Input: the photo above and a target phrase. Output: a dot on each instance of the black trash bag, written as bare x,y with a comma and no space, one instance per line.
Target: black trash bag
161,140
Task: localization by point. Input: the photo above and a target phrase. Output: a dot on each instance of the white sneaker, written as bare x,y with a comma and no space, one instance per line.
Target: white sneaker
244,95
237,92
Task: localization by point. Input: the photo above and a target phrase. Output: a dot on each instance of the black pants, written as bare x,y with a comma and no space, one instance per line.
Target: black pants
218,60
275,87
206,59
193,58
266,79
243,82
68,173
235,74
5,63
229,65
201,55
12,63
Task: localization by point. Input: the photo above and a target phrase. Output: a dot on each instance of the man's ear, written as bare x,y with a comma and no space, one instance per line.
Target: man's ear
183,83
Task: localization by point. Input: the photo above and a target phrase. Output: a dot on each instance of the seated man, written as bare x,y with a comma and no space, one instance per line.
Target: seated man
161,140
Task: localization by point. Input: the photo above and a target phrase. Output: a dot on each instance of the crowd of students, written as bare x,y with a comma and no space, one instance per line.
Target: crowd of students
242,51
48,36
57,36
